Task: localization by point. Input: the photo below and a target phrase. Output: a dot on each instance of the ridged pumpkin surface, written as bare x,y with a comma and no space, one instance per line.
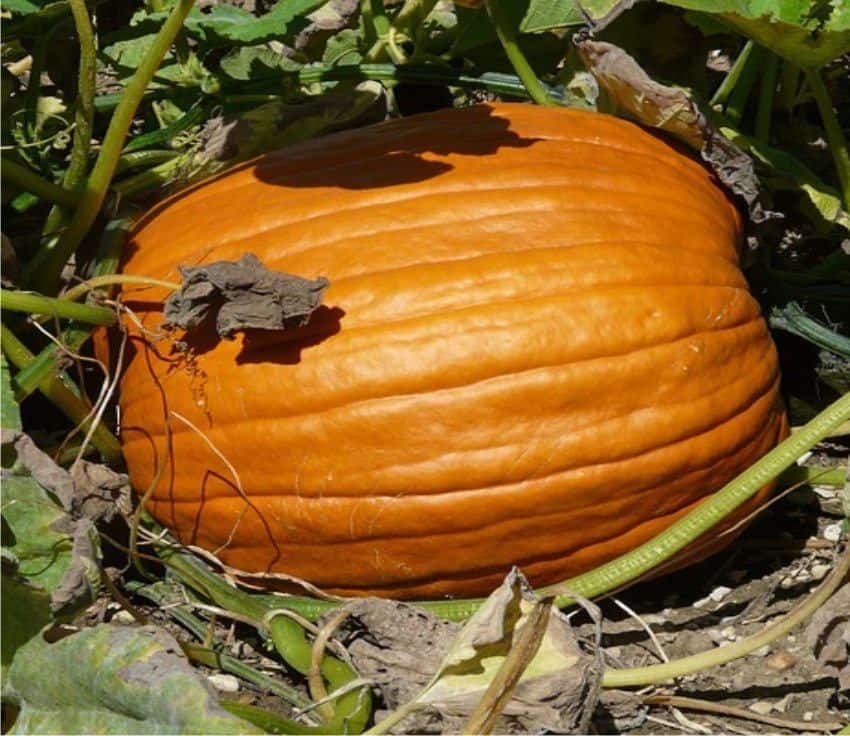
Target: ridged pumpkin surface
537,349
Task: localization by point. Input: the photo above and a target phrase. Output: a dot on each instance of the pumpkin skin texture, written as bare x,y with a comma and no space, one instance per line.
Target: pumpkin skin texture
537,349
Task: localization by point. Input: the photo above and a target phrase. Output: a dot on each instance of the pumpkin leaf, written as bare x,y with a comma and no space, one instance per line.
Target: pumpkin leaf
24,609
810,33
346,47
29,18
795,175
546,15
516,656
228,25
234,138
10,415
50,560
113,680
256,62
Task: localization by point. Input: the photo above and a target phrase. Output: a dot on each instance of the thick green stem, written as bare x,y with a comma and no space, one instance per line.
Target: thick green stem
351,710
815,475
213,657
34,373
78,165
22,301
641,676
64,394
794,319
39,55
46,267
143,159
834,134
112,245
767,91
29,181
84,104
730,81
147,180
268,721
507,37
412,14
789,86
740,95
78,290
496,82
379,18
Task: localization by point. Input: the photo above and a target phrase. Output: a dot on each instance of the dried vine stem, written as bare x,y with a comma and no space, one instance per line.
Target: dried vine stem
657,673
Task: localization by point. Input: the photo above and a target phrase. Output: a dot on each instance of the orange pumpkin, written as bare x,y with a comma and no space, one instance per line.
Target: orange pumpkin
537,349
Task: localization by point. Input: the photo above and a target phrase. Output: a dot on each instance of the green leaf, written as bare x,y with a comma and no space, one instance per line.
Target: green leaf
10,415
226,24
22,7
793,174
810,33
30,18
345,48
113,680
545,15
259,62
49,560
33,519
24,609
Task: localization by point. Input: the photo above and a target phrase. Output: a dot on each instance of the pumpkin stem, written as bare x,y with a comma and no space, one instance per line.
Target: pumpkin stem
730,81
32,303
653,674
507,37
26,179
834,133
44,269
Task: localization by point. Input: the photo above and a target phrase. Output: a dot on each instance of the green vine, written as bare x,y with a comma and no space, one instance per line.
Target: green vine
44,270
834,133
508,38
23,178
22,301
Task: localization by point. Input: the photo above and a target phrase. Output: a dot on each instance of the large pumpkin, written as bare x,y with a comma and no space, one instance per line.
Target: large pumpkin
537,349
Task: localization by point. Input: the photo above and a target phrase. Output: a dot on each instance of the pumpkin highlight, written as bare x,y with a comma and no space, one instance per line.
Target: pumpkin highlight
537,348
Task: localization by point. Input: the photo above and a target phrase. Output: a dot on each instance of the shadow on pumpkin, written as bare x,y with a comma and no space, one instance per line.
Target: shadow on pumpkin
283,347
392,153
396,156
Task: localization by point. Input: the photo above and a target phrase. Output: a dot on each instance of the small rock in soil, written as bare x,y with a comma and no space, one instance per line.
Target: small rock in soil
719,593
781,661
819,571
832,533
224,683
762,707
123,617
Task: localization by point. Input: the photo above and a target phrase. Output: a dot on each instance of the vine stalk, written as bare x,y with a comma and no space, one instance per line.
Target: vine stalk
834,133
45,269
507,37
